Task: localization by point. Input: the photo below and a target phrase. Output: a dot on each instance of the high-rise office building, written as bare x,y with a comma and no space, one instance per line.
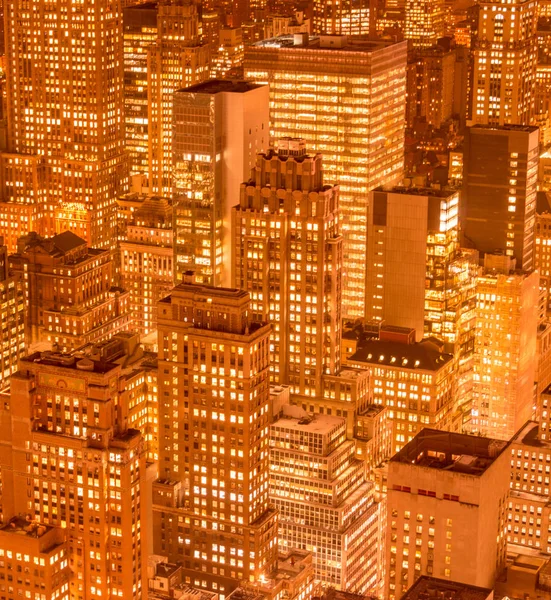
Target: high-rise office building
210,503
346,98
447,510
414,380
287,253
73,125
350,17
70,461
228,53
499,190
176,60
140,32
146,258
12,318
413,239
325,503
219,126
505,348
504,59
424,22
69,293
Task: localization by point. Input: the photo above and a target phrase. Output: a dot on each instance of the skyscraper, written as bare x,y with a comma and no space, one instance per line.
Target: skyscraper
71,124
447,510
505,348
424,22
505,54
65,423
412,240
176,60
210,503
12,318
219,126
287,254
499,198
346,99
140,31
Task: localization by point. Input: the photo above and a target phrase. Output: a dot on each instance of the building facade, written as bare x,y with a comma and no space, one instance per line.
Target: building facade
447,510
505,358
324,501
176,60
12,318
317,86
219,126
75,128
287,253
69,294
210,503
504,49
500,173
65,425
146,258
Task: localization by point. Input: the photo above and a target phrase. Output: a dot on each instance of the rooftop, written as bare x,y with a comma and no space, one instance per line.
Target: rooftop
423,355
325,42
320,424
529,435
427,588
21,526
68,361
452,452
416,191
507,127
217,86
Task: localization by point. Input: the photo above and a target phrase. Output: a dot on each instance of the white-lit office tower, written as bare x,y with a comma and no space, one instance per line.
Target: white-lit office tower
176,60
505,348
325,504
219,126
66,162
287,253
504,49
424,22
346,98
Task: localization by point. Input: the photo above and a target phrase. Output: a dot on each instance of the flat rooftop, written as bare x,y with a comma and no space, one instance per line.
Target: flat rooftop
68,361
507,127
325,42
206,290
416,191
427,588
20,526
452,452
317,423
217,86
423,355
528,435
